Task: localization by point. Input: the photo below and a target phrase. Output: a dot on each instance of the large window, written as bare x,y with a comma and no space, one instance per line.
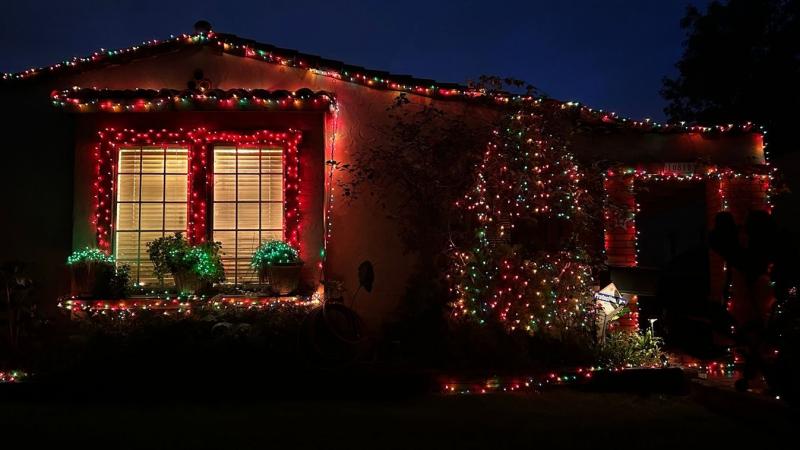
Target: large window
248,204
151,202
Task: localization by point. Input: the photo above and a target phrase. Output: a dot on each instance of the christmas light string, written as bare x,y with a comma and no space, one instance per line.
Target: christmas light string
12,376
524,174
145,100
234,45
328,207
528,383
496,384
619,183
199,141
181,306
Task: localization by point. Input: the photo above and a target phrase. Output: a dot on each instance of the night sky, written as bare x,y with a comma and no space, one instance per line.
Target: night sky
609,54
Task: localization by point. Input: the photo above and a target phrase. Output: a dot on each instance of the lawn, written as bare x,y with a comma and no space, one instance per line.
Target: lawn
558,417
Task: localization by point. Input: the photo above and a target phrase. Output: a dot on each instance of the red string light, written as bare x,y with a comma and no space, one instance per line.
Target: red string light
199,141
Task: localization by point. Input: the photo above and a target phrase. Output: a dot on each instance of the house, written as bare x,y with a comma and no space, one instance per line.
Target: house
227,139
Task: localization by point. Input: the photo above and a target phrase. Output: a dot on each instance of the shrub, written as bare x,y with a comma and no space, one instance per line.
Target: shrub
631,349
275,253
174,255
89,255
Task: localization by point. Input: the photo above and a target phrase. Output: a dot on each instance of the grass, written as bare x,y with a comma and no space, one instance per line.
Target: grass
556,418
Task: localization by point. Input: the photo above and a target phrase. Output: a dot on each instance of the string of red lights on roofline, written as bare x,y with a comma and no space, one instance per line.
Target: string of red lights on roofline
233,45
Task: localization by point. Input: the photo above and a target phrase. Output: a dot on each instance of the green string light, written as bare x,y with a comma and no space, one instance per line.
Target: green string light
89,254
275,253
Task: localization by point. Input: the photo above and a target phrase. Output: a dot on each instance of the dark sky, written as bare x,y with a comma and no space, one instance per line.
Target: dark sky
608,54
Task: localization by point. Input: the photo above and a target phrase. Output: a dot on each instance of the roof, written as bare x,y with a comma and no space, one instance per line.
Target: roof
376,79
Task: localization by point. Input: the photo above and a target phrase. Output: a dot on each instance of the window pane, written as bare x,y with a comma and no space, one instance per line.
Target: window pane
177,160
228,240
175,216
146,275
224,187
127,245
248,188
176,186
152,216
271,216
224,159
244,272
146,267
271,188
247,216
127,216
152,160
152,188
272,160
225,216
268,235
247,243
147,237
128,188
248,160
248,195
141,214
128,160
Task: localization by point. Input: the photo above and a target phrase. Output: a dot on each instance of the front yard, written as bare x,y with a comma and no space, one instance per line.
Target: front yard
560,418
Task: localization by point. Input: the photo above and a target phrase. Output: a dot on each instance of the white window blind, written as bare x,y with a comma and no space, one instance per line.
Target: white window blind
248,204
151,202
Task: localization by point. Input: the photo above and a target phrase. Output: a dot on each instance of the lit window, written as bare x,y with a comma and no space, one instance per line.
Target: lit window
248,204
151,203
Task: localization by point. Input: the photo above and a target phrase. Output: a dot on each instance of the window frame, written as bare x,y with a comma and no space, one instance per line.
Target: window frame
164,147
212,202
200,143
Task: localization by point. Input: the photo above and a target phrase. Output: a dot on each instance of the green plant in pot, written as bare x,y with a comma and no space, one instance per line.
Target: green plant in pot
89,267
193,267
279,265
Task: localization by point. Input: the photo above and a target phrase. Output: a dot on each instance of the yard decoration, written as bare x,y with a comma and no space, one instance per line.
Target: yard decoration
88,267
279,265
192,266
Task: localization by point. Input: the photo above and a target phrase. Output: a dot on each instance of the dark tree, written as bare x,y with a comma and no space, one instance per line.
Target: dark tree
741,62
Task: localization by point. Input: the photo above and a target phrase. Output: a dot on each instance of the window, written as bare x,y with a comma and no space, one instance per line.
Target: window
248,204
151,202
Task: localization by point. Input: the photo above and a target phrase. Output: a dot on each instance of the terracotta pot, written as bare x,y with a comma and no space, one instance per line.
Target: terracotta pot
83,279
282,280
187,281
89,278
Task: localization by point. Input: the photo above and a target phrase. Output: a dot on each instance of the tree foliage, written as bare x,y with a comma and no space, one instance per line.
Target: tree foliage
741,62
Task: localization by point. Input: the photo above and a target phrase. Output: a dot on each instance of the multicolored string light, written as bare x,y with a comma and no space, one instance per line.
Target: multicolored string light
146,100
245,48
179,306
12,376
526,173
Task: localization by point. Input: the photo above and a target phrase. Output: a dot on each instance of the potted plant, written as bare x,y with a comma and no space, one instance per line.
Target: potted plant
192,267
278,264
89,267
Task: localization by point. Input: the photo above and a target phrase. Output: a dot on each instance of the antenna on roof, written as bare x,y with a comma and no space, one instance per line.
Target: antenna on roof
202,26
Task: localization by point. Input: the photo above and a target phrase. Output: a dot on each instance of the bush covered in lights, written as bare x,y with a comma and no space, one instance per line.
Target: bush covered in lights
89,255
275,253
508,272
174,255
